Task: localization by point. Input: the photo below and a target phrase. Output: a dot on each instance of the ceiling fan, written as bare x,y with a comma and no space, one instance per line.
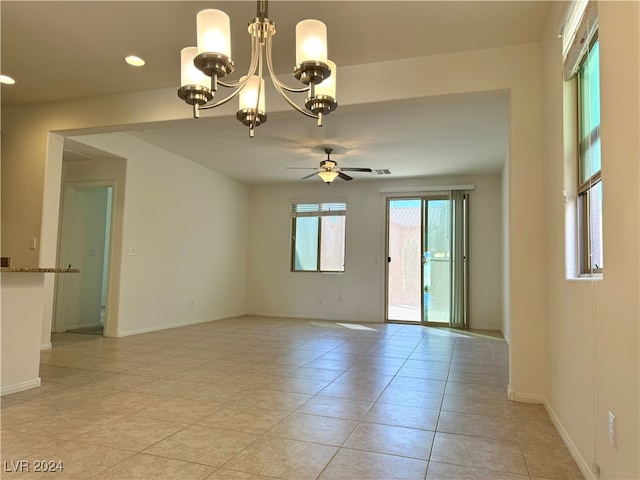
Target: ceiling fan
329,169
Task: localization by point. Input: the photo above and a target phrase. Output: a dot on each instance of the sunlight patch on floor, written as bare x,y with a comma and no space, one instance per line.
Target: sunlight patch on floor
355,326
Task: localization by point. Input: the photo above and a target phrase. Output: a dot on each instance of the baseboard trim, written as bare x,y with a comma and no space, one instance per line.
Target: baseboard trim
525,397
313,317
583,465
46,346
20,387
581,462
81,325
155,328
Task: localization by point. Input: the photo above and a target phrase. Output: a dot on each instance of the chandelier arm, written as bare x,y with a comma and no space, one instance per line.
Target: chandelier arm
274,78
252,68
292,103
280,87
223,101
238,85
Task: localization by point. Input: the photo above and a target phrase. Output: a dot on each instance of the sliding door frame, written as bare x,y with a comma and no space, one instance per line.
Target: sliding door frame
424,198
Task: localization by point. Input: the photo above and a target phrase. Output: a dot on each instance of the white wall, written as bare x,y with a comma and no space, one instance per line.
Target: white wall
506,295
485,255
32,145
594,326
554,357
21,316
358,294
187,226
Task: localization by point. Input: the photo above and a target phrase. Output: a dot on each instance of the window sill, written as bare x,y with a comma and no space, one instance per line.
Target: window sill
315,271
585,277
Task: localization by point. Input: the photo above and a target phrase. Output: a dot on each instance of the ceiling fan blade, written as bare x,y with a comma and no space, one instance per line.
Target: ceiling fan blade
355,169
302,168
344,176
309,176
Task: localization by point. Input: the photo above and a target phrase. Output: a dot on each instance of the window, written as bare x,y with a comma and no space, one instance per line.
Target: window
318,237
589,162
581,66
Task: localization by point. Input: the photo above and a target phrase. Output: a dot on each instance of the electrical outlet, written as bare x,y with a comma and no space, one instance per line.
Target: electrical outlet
33,243
612,430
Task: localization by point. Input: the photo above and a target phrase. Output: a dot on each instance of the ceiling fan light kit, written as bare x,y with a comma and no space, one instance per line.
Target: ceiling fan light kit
203,66
327,176
329,169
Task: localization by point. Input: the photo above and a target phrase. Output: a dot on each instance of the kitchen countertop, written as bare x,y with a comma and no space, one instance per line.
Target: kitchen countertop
38,270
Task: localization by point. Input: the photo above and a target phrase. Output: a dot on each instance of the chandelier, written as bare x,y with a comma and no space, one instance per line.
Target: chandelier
202,68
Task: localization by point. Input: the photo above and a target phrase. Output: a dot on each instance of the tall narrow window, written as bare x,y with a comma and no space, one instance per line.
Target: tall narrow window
589,162
318,237
581,66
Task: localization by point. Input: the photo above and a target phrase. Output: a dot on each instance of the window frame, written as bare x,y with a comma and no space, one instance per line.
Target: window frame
319,215
585,188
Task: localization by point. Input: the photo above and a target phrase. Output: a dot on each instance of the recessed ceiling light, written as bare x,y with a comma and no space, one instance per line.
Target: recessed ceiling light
135,61
7,79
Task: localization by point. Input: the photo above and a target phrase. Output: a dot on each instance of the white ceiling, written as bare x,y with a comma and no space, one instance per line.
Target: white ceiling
62,50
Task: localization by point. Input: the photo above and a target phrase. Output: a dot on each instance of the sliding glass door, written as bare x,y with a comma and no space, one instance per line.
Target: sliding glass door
422,281
436,260
404,246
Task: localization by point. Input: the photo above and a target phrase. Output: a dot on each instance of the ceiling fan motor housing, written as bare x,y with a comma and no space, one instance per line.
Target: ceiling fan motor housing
328,165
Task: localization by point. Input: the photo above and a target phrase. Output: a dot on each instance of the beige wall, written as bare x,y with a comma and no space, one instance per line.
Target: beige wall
574,344
29,189
359,294
593,325
20,340
505,239
188,229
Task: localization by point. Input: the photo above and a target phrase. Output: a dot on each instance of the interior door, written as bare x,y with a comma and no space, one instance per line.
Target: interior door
85,232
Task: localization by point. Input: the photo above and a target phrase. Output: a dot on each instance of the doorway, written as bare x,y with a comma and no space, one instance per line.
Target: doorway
85,243
422,279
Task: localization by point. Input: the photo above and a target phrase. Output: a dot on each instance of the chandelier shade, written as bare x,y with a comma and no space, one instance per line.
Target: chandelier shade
311,42
328,85
251,109
249,96
189,73
203,68
214,32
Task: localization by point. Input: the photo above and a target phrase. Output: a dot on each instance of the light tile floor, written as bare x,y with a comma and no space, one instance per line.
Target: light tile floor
258,398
